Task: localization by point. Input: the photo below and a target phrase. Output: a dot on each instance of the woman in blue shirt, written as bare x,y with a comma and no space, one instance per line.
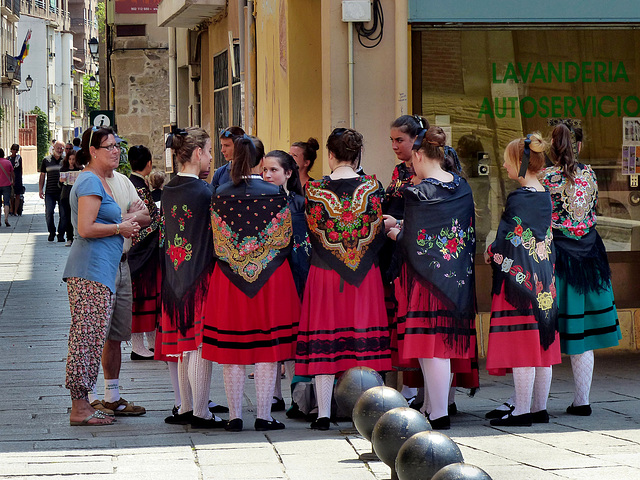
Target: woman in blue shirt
91,268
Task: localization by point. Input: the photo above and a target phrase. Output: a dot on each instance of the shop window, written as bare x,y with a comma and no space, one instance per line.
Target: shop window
497,85
225,98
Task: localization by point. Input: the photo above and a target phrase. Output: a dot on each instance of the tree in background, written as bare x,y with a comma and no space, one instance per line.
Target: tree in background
44,135
91,95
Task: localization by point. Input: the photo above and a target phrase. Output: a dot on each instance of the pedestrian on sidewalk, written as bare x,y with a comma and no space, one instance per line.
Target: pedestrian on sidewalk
50,172
18,188
587,316
91,270
119,329
523,334
6,182
68,175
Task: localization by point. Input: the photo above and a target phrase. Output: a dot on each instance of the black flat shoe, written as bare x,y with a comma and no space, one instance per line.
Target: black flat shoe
580,410
234,425
262,425
278,405
321,423
540,417
136,356
219,409
452,409
509,420
442,423
497,413
180,418
214,422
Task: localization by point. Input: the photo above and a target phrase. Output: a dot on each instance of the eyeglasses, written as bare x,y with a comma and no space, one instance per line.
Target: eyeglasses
110,148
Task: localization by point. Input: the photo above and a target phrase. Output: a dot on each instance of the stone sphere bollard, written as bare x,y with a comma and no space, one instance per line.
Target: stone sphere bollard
461,471
424,454
374,403
353,383
393,429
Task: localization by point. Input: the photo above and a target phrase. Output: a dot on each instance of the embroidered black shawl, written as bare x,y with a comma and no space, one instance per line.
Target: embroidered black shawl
438,241
144,254
301,246
251,232
523,258
188,251
345,225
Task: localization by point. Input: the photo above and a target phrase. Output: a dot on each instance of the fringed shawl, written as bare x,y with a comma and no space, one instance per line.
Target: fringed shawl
143,254
345,225
251,234
522,258
188,251
438,241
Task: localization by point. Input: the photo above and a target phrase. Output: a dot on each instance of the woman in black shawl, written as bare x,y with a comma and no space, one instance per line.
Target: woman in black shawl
523,333
187,265
343,322
435,290
255,309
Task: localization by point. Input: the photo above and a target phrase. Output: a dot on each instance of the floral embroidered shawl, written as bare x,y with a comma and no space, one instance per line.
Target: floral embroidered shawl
345,225
523,258
251,234
187,251
438,241
301,246
143,254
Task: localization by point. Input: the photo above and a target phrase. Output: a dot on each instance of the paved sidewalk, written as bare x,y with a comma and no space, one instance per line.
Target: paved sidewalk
36,440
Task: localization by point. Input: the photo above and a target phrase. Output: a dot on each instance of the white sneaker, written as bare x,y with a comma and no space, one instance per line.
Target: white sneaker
68,244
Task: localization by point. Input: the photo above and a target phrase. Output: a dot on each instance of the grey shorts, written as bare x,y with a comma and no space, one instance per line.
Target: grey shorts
122,301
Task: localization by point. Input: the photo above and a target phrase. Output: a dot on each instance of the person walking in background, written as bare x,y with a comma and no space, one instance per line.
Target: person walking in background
305,154
17,200
587,316
68,175
523,334
91,269
50,171
156,182
6,181
222,175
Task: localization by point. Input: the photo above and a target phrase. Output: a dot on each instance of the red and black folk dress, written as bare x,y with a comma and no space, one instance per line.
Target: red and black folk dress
254,308
187,263
144,263
524,310
436,287
343,322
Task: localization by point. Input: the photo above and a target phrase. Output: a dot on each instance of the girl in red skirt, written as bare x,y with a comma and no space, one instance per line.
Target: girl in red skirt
187,265
436,287
254,308
523,334
343,322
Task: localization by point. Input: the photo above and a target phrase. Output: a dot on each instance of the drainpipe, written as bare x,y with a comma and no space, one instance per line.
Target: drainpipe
352,114
173,92
402,57
250,41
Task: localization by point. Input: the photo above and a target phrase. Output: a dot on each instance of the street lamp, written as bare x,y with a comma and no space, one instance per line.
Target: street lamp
94,45
92,81
28,83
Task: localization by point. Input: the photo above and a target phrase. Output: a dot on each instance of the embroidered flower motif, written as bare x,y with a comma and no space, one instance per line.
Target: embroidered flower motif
520,277
497,258
449,241
545,301
506,264
179,252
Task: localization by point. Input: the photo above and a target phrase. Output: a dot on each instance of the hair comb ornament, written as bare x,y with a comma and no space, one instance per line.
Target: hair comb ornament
524,165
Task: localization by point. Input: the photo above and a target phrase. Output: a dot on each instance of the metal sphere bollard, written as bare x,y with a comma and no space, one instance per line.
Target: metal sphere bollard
393,429
374,403
353,383
461,471
424,454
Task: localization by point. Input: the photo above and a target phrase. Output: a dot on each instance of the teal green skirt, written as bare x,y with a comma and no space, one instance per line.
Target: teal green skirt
586,322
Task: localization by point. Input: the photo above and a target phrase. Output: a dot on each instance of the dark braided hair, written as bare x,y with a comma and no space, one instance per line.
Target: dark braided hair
562,151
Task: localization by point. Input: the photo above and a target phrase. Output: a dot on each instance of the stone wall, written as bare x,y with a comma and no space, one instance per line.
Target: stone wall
140,71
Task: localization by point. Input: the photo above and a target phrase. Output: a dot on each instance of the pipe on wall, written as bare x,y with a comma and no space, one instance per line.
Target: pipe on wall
173,71
402,57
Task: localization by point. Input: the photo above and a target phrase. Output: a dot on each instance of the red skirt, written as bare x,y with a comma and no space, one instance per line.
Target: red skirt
171,341
514,340
241,330
425,326
342,326
147,306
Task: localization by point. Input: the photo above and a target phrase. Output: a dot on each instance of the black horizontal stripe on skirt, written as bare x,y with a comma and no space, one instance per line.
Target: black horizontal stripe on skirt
342,357
344,344
443,330
590,333
588,312
342,330
272,342
255,331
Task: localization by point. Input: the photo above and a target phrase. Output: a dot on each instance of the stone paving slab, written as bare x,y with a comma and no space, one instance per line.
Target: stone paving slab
36,441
